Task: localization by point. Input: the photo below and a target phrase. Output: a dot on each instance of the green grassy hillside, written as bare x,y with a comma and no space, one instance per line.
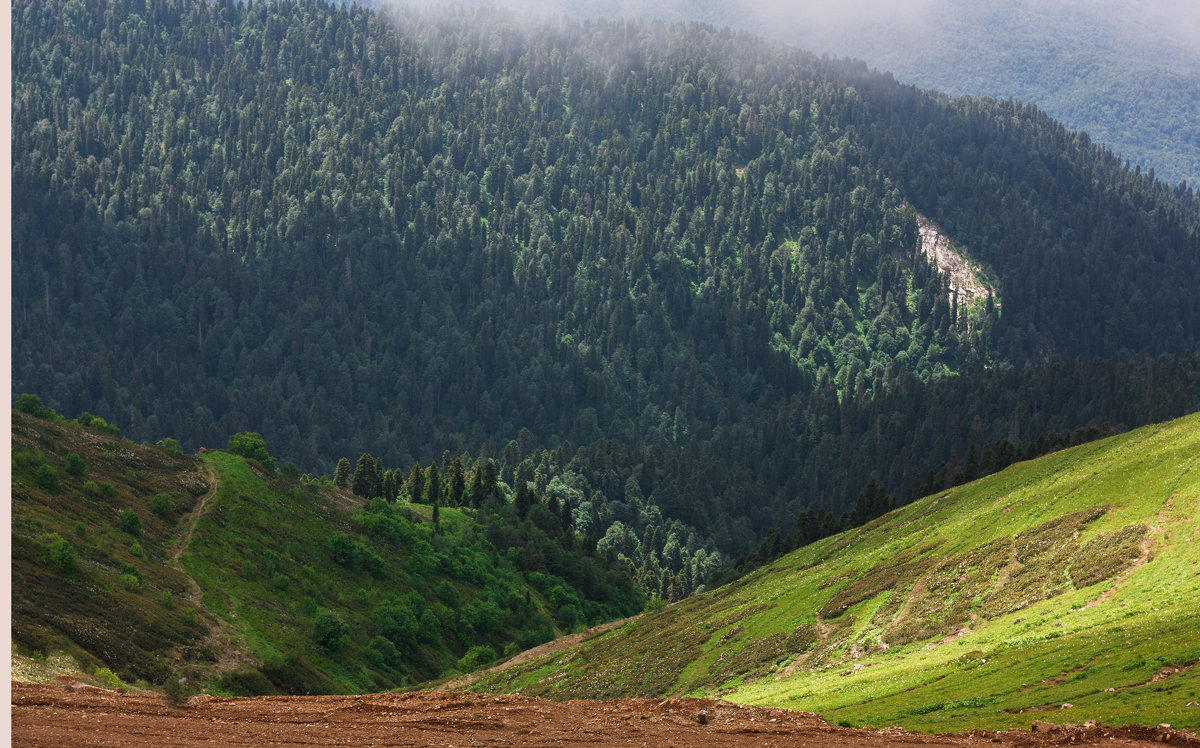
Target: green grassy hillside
143,565
1071,579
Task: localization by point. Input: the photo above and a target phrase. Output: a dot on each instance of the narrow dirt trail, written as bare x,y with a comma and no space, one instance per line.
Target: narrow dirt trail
221,637
177,549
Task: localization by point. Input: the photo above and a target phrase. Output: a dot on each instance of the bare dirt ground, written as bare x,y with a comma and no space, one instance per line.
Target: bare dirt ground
45,715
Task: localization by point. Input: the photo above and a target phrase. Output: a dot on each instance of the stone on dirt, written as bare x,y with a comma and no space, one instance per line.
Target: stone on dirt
1041,726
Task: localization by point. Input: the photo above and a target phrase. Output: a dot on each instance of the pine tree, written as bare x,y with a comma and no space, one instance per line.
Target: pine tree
524,500
476,490
341,474
490,489
367,481
390,490
433,485
457,483
416,484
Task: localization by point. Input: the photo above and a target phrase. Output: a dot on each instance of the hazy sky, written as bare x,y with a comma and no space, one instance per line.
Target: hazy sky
835,24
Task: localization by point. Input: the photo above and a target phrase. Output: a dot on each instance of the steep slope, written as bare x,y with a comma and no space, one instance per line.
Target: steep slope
145,565
692,252
1069,583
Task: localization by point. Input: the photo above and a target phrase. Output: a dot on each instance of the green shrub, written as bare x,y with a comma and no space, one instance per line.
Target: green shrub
250,444
30,458
47,477
167,600
1107,555
567,616
75,465
32,404
131,583
136,549
81,529
246,682
107,678
91,488
60,556
171,445
480,654
130,522
108,489
381,653
354,554
96,423
175,689
330,632
162,505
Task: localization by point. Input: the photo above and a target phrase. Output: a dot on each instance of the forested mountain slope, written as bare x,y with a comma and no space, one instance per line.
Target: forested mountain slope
689,248
1128,74
1064,584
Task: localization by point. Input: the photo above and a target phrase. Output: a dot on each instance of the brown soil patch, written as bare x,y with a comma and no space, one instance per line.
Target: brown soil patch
82,716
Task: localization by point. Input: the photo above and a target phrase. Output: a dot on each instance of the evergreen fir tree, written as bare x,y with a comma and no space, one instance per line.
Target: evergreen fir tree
341,474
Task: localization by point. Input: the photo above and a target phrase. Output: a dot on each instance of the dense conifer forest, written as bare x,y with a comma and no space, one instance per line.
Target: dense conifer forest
1128,74
668,274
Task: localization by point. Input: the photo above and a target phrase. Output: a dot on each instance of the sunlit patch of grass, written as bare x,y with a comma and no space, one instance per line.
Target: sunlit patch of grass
981,595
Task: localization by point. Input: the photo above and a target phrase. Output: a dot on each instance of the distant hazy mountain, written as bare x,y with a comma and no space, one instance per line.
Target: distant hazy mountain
1128,74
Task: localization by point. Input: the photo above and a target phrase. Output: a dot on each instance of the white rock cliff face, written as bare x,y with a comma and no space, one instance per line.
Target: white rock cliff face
964,276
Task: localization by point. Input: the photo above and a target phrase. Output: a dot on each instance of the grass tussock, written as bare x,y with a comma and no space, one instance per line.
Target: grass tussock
1041,556
948,594
1107,555
889,574
759,657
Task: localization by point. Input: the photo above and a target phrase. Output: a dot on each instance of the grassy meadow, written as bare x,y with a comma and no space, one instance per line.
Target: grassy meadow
1073,580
